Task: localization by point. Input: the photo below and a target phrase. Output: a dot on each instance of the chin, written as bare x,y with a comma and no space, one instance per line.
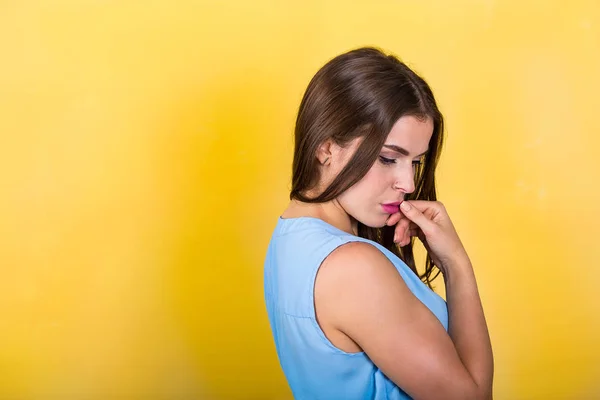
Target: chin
374,222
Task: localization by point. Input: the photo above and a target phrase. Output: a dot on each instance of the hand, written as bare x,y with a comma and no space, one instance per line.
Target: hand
429,221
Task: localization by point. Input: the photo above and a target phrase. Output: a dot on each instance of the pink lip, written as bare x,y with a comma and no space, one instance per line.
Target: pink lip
391,208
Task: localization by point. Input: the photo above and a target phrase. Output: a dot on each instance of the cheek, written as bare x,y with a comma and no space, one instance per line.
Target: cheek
371,187
377,179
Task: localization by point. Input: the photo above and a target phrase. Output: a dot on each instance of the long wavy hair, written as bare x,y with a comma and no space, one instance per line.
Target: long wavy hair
362,93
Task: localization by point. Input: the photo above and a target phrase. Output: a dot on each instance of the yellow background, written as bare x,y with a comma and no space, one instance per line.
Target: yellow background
145,151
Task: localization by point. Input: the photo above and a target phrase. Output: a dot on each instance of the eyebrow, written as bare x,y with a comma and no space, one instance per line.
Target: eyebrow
402,151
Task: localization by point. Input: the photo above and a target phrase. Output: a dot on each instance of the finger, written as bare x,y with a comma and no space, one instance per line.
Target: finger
393,219
414,233
401,235
407,237
415,215
400,229
405,240
428,207
412,225
411,231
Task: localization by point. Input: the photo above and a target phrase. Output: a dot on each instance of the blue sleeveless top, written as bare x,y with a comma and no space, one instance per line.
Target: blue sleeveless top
314,367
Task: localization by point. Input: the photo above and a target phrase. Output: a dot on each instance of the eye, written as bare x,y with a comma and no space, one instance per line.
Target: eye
386,161
417,162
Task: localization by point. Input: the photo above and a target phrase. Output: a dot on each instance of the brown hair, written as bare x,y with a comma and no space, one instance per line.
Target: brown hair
362,93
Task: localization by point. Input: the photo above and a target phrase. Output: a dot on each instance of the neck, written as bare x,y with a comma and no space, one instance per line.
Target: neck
331,212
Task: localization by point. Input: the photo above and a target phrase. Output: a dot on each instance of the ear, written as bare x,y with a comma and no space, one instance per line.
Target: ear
325,152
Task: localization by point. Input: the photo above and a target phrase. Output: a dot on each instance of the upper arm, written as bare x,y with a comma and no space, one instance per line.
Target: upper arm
363,295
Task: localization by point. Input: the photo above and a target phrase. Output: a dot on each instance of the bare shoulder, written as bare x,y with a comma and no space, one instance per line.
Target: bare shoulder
356,255
355,279
363,298
357,264
345,282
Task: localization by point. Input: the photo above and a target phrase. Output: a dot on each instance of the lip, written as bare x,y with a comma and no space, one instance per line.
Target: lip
391,208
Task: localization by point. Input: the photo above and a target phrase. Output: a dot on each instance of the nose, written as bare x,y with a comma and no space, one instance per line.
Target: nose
405,180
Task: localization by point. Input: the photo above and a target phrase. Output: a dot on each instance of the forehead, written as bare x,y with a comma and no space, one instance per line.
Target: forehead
411,133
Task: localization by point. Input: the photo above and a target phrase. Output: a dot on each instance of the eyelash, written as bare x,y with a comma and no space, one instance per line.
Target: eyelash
389,161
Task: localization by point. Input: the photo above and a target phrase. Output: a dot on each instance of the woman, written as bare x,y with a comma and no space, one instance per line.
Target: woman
351,317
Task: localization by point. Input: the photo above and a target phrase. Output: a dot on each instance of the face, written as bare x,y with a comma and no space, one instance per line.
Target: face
392,177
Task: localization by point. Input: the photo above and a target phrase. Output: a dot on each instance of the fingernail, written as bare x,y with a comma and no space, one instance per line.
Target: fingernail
405,205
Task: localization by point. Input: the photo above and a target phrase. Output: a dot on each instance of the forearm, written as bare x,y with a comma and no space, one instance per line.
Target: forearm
467,326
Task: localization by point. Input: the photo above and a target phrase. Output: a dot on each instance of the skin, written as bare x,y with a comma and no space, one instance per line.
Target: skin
361,301
389,180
